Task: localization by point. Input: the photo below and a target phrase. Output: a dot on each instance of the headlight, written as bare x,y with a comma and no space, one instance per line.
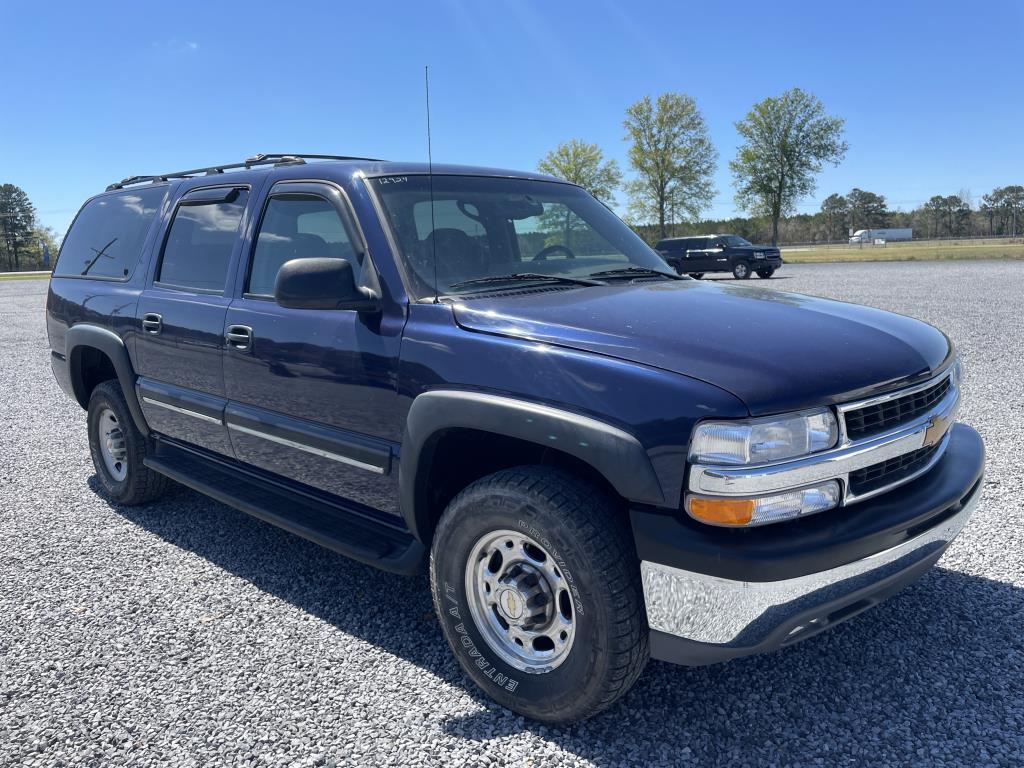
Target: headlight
958,372
760,441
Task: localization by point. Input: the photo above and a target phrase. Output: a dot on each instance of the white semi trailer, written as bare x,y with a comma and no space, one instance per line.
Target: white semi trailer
889,235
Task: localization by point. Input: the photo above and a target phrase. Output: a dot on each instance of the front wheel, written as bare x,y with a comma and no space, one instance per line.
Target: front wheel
741,271
765,273
537,587
696,275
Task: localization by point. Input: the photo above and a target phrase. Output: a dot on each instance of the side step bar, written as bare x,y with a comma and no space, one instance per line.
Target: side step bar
324,523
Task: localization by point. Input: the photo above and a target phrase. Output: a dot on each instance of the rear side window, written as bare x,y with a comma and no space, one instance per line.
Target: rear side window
298,226
108,234
201,238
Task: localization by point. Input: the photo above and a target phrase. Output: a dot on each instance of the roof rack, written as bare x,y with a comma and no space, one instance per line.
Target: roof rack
264,158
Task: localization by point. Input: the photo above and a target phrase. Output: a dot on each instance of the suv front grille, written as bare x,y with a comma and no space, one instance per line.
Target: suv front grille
871,419
891,471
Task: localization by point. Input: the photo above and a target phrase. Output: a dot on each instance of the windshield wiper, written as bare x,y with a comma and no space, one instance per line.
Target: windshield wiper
523,277
627,271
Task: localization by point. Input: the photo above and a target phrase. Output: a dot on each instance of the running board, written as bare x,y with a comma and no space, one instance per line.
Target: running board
329,525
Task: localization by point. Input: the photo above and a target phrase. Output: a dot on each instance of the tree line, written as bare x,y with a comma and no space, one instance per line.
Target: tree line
785,142
23,240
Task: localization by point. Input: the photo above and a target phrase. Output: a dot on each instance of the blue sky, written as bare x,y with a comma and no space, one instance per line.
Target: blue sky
933,93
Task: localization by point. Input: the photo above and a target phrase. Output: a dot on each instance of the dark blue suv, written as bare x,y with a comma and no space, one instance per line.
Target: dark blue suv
486,374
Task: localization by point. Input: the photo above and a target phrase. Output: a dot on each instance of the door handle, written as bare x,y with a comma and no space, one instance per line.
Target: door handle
239,337
152,323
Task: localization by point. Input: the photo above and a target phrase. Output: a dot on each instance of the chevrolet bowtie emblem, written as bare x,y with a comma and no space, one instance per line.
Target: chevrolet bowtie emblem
937,429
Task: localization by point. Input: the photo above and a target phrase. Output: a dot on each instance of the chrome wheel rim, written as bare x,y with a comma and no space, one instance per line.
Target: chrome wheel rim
112,445
520,601
741,270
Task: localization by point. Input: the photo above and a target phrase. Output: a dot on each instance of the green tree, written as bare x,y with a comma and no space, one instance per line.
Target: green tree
867,209
835,209
935,210
581,163
786,140
17,222
673,157
1005,205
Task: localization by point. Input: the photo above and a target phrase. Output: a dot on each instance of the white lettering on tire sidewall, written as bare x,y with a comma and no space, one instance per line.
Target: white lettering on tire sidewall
478,659
545,542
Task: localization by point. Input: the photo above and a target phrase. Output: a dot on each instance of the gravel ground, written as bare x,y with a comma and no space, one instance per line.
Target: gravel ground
186,633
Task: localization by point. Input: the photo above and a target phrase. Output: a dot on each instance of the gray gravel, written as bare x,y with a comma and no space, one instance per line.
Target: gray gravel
185,633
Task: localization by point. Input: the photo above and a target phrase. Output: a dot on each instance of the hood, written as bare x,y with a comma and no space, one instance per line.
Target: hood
775,351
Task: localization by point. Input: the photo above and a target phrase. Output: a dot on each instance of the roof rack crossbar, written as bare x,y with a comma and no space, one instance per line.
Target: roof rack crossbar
263,158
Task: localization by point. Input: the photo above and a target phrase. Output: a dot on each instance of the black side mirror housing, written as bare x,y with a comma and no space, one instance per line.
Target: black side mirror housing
322,283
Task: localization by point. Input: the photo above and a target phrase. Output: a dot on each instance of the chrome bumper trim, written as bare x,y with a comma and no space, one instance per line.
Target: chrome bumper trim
834,464
709,609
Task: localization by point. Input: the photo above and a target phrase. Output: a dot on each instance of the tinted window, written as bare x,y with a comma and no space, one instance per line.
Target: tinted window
200,242
735,241
107,237
298,226
696,244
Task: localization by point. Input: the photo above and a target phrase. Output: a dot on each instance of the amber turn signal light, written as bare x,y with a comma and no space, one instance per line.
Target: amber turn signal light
722,511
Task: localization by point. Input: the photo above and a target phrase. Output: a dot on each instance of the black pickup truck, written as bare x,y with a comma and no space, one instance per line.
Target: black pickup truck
698,255
426,370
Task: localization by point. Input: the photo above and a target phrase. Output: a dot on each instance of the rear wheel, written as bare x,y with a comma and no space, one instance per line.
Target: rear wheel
765,273
537,587
696,275
118,449
741,270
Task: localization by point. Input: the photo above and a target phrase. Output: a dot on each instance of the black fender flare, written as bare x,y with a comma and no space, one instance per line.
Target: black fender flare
615,453
109,343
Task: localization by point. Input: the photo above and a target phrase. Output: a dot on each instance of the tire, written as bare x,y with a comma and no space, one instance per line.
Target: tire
741,270
586,541
765,273
127,481
696,275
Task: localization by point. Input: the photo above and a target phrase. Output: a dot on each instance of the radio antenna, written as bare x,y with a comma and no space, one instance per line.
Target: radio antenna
430,177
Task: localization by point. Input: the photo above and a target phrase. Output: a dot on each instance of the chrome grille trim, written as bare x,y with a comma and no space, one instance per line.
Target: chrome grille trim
857,405
837,463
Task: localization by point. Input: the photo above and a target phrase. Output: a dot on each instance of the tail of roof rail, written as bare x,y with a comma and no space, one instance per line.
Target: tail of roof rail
263,158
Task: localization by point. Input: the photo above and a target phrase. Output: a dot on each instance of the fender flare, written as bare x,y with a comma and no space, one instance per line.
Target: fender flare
109,343
615,453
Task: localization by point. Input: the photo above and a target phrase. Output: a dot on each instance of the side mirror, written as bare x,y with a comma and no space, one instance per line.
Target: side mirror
321,284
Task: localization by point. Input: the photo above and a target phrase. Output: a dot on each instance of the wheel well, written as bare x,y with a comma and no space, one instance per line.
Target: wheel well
89,367
454,458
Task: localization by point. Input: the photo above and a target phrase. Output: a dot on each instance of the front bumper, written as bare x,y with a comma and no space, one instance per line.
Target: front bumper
712,597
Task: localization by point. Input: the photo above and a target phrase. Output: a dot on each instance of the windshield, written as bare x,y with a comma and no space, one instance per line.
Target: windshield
735,241
485,227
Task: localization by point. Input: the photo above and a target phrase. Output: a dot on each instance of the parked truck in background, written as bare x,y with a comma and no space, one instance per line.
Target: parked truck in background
889,235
